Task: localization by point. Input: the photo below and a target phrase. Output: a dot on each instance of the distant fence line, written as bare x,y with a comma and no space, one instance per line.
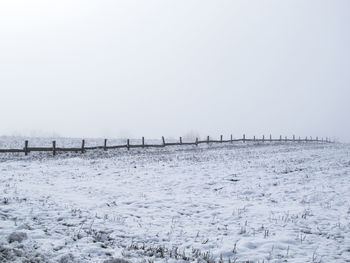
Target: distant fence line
54,149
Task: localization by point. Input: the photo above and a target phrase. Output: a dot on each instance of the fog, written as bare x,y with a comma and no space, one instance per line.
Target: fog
151,68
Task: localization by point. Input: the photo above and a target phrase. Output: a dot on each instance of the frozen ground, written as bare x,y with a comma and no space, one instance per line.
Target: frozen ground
243,202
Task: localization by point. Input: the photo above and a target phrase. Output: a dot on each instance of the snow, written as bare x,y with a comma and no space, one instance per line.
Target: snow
268,202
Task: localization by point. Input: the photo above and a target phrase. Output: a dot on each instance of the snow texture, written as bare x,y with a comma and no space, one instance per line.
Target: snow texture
241,202
17,237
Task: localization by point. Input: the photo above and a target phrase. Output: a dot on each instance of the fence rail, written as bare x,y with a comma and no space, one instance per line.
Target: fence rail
26,150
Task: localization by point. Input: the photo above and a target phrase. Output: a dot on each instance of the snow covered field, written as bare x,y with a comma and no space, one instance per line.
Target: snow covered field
240,202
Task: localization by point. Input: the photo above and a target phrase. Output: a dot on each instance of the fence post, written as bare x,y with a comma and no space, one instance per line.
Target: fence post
163,141
143,142
231,138
54,148
197,141
105,145
180,140
207,139
280,138
26,147
285,138
243,137
82,146
317,139
254,138
270,138
293,138
299,138
263,139
220,138
306,139
128,144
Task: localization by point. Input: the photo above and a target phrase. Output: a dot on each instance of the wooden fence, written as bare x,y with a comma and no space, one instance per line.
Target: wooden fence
54,149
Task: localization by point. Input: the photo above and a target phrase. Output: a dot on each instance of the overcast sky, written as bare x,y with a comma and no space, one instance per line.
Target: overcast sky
152,68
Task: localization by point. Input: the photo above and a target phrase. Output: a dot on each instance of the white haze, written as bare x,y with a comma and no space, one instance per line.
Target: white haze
153,68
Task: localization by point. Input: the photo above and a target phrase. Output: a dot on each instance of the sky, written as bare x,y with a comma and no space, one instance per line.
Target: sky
113,69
